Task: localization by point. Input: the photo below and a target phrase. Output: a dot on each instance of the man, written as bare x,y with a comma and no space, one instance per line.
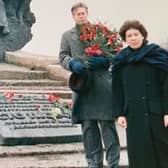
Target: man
92,108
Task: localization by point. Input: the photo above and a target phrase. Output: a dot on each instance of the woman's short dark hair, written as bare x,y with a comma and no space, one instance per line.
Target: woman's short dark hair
135,24
79,5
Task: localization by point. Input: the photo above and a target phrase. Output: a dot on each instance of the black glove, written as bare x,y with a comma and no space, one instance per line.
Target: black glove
76,66
96,62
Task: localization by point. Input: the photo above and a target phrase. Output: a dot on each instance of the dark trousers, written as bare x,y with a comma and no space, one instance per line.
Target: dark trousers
93,134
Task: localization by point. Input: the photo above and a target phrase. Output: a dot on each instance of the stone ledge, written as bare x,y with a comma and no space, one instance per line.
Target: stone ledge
40,149
36,61
57,72
30,60
49,156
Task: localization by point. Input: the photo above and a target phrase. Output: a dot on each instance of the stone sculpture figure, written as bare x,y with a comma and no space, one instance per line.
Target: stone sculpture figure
16,20
4,29
18,10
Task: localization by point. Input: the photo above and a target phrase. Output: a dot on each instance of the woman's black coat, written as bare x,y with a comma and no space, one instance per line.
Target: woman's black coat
94,104
140,92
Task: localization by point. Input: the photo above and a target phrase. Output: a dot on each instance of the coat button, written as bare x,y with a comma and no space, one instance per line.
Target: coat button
143,98
147,83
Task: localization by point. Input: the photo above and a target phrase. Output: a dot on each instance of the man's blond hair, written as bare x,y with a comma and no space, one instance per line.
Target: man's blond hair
79,5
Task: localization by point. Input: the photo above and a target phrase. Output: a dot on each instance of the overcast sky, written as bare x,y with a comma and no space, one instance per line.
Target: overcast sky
53,18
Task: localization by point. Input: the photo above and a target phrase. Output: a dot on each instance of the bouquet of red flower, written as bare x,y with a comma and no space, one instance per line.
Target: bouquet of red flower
100,40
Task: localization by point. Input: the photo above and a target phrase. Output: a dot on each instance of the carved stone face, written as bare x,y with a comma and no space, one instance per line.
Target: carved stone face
80,15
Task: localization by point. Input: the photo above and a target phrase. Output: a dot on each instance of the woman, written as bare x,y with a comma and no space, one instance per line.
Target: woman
140,97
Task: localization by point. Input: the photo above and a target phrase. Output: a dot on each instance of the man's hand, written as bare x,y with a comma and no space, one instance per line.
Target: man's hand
96,62
76,66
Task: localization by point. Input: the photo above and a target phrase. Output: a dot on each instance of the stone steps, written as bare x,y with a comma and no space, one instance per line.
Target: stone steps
34,88
36,61
32,82
65,94
23,75
17,78
30,60
10,71
49,156
53,155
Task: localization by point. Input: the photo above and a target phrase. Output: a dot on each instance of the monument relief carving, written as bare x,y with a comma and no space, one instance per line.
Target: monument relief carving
35,118
16,20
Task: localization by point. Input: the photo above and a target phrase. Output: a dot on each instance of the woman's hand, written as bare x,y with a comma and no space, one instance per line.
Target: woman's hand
122,121
166,120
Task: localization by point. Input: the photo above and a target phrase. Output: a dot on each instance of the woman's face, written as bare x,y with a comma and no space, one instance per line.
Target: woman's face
134,38
80,15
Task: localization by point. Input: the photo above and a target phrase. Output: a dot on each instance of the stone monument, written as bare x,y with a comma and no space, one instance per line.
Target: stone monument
27,119
16,20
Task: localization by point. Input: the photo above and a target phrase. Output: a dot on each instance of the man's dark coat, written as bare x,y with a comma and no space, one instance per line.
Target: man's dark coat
94,104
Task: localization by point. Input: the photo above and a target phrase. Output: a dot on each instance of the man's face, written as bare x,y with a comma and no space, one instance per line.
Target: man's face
80,15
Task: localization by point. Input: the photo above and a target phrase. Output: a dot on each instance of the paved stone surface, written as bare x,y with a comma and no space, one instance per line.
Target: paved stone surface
51,155
47,156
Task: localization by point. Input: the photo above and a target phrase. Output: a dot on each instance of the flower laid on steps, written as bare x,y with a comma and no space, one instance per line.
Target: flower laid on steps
58,108
9,96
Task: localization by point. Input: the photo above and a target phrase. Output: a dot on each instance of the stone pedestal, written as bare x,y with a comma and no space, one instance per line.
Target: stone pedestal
27,119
